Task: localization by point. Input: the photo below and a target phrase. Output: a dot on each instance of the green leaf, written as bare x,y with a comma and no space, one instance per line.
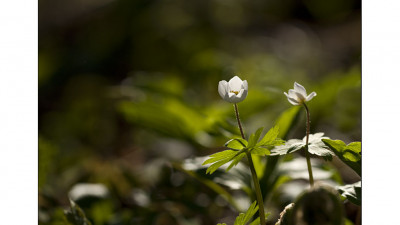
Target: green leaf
237,144
260,151
321,150
355,147
75,215
270,137
221,158
315,146
290,147
349,154
243,218
254,137
216,165
352,192
236,160
257,221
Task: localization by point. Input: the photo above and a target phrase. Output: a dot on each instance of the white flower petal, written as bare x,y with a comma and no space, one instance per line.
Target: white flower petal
300,98
310,96
300,89
231,95
293,94
239,95
293,101
232,98
244,95
245,86
233,91
235,84
222,88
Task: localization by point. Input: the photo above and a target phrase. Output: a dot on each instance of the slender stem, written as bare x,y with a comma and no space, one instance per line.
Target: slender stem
310,174
253,174
238,120
258,190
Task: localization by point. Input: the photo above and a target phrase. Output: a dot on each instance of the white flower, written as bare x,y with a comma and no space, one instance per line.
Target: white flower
298,95
233,91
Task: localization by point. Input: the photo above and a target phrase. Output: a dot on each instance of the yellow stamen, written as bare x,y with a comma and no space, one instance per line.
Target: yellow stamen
236,92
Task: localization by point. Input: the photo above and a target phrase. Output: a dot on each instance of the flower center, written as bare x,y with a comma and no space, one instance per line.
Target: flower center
236,92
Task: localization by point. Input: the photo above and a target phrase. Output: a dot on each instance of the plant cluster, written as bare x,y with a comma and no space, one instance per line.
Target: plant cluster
254,166
270,144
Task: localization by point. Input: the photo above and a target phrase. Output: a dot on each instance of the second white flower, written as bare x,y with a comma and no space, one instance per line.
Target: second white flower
298,95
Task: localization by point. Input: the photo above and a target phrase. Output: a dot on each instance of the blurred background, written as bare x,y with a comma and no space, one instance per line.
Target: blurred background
129,107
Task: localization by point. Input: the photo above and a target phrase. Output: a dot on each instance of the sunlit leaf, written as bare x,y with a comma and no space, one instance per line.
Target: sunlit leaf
254,137
320,150
269,140
349,154
270,137
211,169
272,178
315,147
237,144
291,146
352,192
243,218
220,158
257,221
260,151
236,160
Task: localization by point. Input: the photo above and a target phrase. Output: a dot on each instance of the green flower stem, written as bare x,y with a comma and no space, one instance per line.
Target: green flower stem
258,190
238,120
310,174
253,174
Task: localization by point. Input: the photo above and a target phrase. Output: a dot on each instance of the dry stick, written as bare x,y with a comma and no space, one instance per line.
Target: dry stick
253,174
310,174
